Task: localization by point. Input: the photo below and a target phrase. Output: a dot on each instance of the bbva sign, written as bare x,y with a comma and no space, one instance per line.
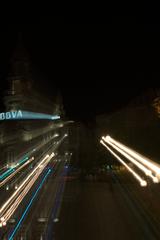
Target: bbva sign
11,115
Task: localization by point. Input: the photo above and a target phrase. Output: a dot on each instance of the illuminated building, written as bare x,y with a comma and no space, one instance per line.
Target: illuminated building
22,95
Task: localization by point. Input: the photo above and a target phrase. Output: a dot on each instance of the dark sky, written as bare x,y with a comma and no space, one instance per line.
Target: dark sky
84,59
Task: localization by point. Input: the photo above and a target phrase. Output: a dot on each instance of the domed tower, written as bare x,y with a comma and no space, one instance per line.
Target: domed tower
19,79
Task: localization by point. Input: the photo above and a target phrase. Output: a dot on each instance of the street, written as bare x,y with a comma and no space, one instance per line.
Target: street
91,210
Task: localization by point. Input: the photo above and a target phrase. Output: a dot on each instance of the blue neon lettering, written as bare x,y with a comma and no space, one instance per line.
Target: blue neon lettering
14,114
26,115
19,114
8,115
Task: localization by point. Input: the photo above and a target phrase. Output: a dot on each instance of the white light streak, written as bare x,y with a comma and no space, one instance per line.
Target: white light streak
147,162
131,159
142,182
9,207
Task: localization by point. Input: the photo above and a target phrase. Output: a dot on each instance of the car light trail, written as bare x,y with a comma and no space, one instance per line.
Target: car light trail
6,172
23,160
11,236
7,206
147,162
135,162
20,188
12,168
57,203
4,167
23,183
15,205
19,199
142,182
15,172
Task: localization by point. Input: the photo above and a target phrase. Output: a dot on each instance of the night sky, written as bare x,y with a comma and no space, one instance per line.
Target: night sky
83,60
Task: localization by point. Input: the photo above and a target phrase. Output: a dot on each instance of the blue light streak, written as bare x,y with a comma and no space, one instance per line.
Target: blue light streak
57,203
28,206
23,160
6,173
12,169
35,115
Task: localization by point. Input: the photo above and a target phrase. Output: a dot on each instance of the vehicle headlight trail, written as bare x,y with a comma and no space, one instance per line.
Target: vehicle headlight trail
16,198
145,161
147,171
26,156
142,182
28,206
15,172
12,203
